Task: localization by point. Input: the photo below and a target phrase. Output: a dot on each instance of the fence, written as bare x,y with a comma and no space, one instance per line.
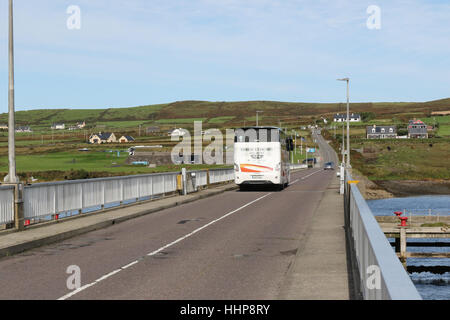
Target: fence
220,175
44,201
6,204
298,166
373,254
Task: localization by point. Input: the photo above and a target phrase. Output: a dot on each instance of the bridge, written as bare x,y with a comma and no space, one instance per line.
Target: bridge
137,238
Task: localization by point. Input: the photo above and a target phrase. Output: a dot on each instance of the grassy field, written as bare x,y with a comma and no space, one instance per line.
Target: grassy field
45,151
399,159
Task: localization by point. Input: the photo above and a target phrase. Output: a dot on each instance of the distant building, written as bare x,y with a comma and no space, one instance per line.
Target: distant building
81,125
354,117
381,132
417,129
58,126
23,129
106,137
150,130
177,133
126,139
3,126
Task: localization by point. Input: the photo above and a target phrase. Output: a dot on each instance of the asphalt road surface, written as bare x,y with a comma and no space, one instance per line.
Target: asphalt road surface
236,245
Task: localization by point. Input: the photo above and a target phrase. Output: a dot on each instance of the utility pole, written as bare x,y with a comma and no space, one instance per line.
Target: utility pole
301,145
295,148
11,178
348,119
257,123
343,145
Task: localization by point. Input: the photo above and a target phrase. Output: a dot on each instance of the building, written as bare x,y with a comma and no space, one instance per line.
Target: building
150,130
381,132
58,126
177,133
354,117
23,129
417,129
106,137
81,125
126,139
3,126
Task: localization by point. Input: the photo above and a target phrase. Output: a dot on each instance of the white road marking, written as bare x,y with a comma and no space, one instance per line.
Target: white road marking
71,294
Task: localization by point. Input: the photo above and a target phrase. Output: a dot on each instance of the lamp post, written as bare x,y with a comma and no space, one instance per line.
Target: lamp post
11,177
257,123
348,119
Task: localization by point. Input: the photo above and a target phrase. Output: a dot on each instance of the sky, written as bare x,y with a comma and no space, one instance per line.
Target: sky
141,52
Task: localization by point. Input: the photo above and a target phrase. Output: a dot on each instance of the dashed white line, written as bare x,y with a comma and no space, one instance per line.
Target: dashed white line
71,294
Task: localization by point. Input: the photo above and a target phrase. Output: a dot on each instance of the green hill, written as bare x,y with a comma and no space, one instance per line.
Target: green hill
220,112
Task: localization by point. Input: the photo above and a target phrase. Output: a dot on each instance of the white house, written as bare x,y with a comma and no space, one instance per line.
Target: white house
177,133
58,126
24,129
354,117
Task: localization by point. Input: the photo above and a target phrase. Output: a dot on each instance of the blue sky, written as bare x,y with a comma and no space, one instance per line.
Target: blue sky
138,52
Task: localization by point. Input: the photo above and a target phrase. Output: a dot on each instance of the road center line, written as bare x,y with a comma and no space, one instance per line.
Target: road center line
71,294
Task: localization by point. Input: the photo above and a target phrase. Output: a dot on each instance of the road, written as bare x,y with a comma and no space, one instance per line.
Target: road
236,245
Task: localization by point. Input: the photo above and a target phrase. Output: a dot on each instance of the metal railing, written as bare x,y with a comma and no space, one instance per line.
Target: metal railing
220,175
298,166
6,204
44,199
380,272
55,200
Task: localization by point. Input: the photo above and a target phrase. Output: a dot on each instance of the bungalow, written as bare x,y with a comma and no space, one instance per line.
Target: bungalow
381,132
24,129
125,139
354,117
177,133
106,137
417,129
58,126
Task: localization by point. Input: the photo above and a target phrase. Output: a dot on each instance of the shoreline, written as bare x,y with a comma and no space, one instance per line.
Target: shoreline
385,189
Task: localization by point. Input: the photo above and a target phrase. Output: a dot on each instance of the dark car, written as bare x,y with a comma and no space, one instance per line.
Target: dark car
329,166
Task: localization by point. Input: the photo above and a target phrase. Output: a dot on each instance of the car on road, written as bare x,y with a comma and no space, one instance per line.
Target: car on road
329,166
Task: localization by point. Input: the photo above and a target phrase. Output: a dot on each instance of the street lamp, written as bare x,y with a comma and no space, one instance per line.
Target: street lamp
257,116
11,177
348,120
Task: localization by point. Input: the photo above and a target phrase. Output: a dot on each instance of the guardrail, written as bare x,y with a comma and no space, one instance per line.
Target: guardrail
54,200
380,272
220,175
44,199
298,166
6,204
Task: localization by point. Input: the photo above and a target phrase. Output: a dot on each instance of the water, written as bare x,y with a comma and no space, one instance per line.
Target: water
430,286
415,205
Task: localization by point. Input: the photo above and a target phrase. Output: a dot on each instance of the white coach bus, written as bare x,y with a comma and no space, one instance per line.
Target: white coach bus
261,156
